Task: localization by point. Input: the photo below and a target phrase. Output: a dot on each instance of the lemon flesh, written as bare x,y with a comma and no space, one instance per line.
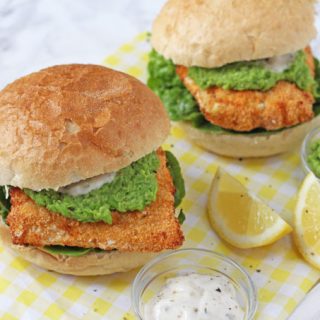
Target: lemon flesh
307,220
239,218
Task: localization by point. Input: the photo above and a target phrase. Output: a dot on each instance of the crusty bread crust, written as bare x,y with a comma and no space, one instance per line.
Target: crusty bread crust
211,33
71,122
94,263
250,145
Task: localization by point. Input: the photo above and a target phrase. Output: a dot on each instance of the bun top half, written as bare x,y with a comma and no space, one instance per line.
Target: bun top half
212,33
67,123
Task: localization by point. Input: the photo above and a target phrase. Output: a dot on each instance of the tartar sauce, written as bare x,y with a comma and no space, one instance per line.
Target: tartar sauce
197,297
279,63
85,186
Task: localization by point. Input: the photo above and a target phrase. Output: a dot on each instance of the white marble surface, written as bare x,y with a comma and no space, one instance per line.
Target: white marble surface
309,309
40,33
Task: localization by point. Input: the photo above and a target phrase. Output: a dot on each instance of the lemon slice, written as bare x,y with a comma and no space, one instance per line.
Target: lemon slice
239,218
307,220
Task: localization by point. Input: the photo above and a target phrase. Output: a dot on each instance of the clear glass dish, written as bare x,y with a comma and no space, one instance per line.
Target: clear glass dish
184,261
312,136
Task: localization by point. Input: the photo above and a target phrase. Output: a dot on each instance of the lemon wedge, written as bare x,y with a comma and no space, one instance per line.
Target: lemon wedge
239,218
307,220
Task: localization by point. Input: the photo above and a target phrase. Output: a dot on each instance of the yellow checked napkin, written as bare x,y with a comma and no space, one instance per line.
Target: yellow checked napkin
281,276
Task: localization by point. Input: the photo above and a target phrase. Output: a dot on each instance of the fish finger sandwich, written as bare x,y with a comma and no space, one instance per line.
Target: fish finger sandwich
86,188
239,76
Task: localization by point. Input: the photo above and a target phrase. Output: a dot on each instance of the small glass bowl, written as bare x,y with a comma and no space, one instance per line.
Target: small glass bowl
153,275
312,136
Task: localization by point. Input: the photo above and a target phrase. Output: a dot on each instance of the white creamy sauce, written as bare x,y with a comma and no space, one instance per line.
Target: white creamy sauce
85,186
195,297
279,63
6,188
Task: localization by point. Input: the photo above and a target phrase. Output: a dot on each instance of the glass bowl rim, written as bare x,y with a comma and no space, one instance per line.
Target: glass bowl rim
304,151
252,292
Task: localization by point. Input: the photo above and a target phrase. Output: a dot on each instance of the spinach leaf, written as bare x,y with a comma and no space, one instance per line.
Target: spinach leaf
5,204
67,251
175,171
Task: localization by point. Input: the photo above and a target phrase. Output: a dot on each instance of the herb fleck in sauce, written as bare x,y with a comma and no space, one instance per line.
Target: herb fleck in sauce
197,297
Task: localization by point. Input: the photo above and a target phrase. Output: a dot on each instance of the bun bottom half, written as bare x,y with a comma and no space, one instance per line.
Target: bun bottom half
250,145
91,264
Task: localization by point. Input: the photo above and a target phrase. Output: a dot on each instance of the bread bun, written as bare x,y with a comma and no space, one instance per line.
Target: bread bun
71,122
91,264
211,33
250,145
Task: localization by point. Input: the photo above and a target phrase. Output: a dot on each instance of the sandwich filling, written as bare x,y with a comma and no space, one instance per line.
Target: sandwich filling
246,97
133,212
132,188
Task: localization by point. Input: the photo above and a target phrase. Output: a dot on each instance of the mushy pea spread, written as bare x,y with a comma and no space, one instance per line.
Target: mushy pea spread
254,75
313,158
133,188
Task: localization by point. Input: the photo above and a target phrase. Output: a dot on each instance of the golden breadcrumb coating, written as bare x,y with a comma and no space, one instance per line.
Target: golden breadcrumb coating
282,106
152,230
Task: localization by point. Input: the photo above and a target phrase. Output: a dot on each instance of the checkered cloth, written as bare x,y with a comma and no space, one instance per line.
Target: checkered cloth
279,273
